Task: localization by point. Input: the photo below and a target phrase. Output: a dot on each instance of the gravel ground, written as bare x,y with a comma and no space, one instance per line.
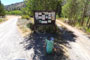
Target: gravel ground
10,38
78,43
14,47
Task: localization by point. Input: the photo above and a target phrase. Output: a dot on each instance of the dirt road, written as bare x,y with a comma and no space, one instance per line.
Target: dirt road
14,47
78,45
10,38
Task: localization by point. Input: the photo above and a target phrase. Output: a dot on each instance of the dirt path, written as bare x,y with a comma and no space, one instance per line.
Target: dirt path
14,47
79,46
10,42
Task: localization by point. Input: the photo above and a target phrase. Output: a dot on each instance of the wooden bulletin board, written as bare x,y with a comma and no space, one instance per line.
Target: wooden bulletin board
44,17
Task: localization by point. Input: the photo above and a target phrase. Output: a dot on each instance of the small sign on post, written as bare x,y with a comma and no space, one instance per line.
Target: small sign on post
44,17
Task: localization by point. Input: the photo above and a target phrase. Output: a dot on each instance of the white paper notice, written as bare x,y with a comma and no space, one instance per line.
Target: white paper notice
46,17
49,17
45,22
46,13
43,17
36,15
49,14
40,13
40,17
49,21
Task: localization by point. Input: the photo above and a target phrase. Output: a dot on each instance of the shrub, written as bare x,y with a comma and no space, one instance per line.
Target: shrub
2,11
15,12
0,20
25,17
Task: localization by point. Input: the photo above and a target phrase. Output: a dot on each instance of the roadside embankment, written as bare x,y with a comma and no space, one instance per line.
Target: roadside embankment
23,27
3,19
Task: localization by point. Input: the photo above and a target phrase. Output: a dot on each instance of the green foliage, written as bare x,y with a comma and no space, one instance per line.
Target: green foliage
31,26
46,29
2,11
71,9
1,20
25,17
88,30
33,5
59,8
65,10
57,16
77,11
15,12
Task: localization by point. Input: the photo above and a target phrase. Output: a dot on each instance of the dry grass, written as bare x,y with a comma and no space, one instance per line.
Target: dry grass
2,20
61,18
22,27
24,31
32,20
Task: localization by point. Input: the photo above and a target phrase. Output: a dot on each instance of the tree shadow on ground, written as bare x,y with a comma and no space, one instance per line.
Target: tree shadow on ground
66,37
37,42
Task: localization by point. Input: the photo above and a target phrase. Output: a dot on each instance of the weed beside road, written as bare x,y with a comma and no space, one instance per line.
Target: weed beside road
2,20
23,28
